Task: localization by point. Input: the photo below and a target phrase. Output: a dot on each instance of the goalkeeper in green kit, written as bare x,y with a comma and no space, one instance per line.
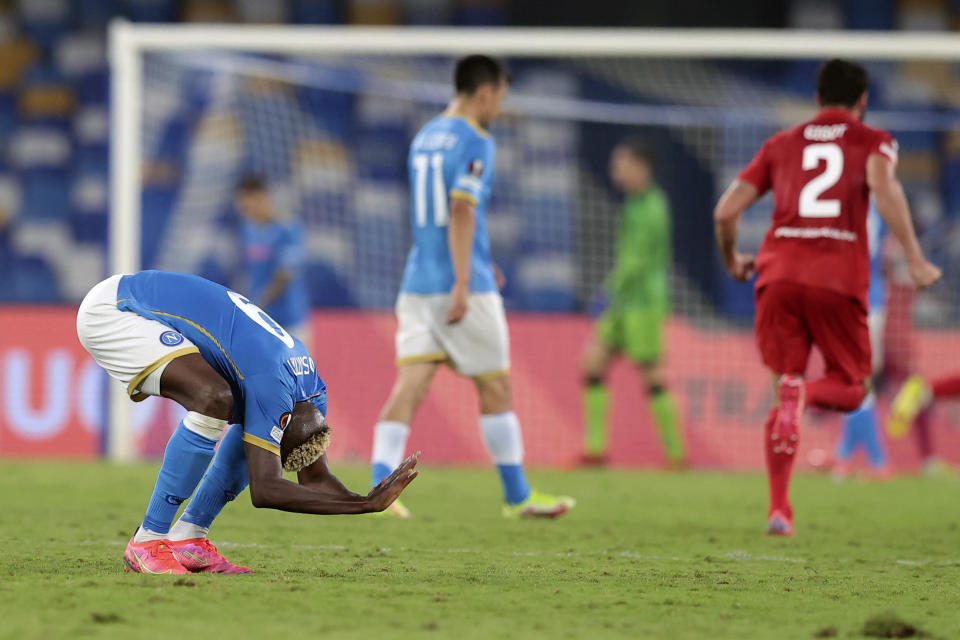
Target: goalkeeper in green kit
633,323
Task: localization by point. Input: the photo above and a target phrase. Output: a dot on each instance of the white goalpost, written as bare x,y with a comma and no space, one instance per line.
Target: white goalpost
130,43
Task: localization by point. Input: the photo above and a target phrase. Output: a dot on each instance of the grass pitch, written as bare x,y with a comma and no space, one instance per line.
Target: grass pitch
644,555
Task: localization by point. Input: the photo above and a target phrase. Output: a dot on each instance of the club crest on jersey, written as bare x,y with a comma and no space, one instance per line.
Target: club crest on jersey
170,338
476,167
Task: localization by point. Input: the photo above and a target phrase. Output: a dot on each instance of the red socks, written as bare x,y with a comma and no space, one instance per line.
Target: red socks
948,387
779,468
830,393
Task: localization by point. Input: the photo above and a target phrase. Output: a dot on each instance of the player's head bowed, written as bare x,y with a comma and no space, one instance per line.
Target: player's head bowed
305,438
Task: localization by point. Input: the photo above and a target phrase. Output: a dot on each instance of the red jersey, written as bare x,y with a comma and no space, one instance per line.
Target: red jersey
818,173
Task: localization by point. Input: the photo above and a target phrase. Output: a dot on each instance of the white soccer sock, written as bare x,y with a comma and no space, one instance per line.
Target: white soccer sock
389,443
145,535
501,434
209,428
183,530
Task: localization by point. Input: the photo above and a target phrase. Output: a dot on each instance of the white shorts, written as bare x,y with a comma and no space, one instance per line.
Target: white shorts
478,346
132,349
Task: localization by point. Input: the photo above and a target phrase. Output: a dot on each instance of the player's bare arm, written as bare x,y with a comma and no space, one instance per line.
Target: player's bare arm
276,288
326,495
460,238
726,219
498,276
893,207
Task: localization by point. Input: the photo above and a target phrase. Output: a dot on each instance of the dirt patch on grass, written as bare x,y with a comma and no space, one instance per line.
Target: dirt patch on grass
890,625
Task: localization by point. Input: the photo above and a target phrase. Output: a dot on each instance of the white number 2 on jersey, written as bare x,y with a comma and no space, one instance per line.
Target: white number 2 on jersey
257,314
424,164
811,205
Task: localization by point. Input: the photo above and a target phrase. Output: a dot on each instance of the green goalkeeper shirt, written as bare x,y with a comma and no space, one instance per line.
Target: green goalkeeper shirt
639,278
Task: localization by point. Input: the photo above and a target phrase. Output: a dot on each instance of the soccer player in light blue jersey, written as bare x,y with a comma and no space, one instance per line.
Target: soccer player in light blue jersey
226,361
449,308
860,428
273,256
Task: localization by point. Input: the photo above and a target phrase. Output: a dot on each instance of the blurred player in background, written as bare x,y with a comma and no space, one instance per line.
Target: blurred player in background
639,302
449,308
860,428
814,263
913,403
273,256
225,361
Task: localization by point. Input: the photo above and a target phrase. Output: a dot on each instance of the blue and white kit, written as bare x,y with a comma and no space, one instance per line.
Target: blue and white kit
135,325
450,158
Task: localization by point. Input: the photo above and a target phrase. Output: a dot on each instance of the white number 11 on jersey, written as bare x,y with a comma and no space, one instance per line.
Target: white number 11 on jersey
422,165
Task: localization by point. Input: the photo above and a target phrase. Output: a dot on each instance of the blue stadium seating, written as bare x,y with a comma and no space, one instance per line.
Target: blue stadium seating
35,281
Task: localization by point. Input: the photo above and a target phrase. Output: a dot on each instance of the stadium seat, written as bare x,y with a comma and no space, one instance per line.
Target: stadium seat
8,113
151,10
18,54
262,11
35,281
45,21
93,14
327,288
874,15
316,11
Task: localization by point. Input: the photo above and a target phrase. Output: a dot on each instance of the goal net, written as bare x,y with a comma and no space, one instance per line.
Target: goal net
329,132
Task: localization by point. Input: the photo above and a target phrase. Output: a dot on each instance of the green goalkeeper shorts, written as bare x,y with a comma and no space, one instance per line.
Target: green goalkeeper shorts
637,332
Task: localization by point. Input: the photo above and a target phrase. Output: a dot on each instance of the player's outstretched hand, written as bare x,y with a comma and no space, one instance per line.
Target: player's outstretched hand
390,488
924,273
458,304
742,267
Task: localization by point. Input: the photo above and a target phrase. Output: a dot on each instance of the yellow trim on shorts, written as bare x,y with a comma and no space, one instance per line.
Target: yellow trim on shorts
206,333
439,356
140,377
457,194
492,375
260,442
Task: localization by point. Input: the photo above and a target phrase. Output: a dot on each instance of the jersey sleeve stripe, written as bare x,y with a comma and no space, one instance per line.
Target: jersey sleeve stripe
260,442
207,334
463,195
140,377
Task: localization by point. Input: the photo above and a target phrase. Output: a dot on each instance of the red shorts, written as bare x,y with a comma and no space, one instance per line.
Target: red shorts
793,317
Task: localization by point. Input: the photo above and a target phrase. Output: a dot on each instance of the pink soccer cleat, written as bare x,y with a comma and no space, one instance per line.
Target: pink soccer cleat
153,556
779,525
786,430
198,555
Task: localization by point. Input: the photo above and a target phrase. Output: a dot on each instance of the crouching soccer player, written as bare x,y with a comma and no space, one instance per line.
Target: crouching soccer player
224,360
449,307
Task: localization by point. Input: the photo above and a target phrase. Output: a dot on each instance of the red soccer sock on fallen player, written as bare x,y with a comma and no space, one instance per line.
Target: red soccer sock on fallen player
947,387
836,395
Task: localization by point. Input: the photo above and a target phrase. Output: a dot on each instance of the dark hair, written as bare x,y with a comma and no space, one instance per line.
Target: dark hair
841,83
639,148
474,71
305,437
251,183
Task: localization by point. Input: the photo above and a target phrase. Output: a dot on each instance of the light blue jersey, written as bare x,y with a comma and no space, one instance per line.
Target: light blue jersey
268,369
451,157
876,236
271,247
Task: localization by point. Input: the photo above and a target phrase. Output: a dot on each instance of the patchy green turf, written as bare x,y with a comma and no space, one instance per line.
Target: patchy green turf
644,555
